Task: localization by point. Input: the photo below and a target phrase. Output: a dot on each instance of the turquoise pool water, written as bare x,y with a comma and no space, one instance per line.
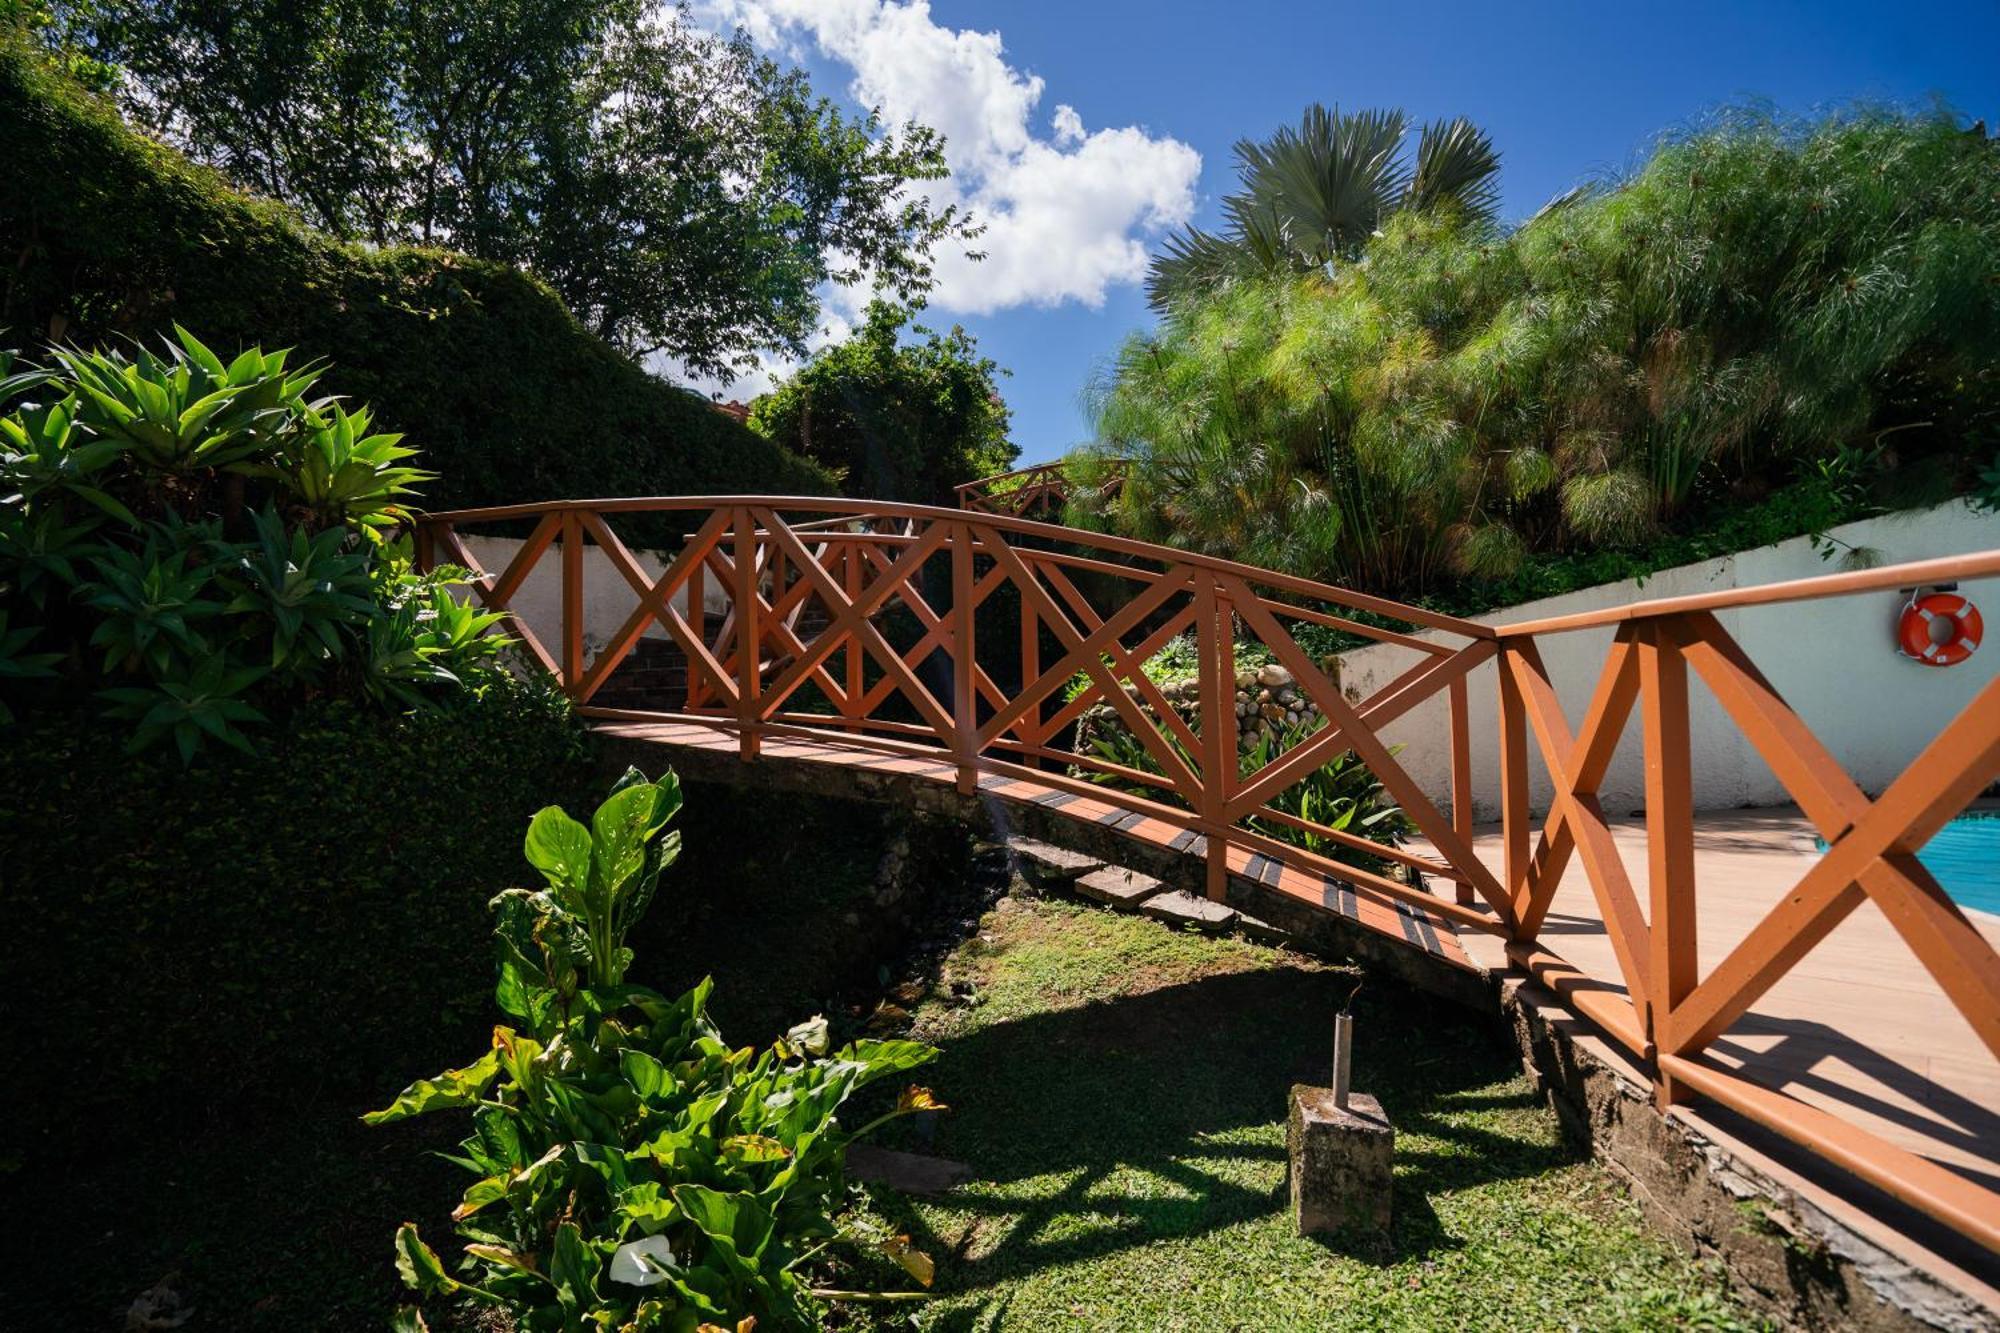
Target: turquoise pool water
1965,857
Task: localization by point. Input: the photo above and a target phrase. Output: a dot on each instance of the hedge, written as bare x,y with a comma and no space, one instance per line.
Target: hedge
107,232
311,918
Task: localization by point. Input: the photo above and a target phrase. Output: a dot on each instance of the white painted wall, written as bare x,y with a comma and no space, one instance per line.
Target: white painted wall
1834,661
607,598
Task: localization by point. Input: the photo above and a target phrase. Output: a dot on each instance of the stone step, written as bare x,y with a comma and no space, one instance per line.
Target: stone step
1047,866
1121,888
1261,931
1177,907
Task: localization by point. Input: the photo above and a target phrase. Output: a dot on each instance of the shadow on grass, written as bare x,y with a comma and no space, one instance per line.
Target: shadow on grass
1175,1085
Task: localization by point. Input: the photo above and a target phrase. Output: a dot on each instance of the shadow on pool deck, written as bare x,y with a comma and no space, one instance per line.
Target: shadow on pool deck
1857,1027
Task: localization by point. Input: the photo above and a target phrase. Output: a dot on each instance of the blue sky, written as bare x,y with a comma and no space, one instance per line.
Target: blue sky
1568,92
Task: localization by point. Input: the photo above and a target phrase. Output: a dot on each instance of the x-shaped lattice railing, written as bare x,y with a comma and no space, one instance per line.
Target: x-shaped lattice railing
877,608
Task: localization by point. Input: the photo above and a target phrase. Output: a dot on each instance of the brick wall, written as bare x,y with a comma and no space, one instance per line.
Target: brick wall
653,676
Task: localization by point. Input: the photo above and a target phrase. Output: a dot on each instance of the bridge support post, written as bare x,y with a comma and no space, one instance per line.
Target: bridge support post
1517,865
964,666
1215,633
1669,843
1461,775
749,637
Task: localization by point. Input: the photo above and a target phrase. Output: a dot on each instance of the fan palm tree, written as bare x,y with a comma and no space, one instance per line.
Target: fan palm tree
1312,196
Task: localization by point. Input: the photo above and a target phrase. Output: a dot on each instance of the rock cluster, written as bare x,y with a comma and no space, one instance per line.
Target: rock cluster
1267,699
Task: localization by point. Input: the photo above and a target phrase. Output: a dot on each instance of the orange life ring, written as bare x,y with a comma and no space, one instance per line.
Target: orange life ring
1958,614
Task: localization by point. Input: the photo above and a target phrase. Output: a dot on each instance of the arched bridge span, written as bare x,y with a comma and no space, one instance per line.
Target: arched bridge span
949,654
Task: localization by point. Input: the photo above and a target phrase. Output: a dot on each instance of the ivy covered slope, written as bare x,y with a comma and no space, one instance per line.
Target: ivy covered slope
107,232
231,932
254,760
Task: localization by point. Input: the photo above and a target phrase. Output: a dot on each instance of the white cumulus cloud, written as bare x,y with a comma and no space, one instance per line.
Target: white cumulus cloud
1067,212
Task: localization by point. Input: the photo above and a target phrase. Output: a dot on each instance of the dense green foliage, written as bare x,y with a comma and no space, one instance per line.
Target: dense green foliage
894,421
1760,304
1342,794
1314,196
633,1171
221,538
266,922
109,233
681,192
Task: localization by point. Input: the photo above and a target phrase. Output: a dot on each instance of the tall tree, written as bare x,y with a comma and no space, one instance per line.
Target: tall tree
680,191
898,421
1314,195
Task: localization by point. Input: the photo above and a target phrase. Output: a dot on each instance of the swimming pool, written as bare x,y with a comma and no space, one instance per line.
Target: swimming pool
1965,857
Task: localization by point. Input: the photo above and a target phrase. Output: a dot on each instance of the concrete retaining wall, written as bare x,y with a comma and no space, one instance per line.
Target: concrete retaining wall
1835,661
607,597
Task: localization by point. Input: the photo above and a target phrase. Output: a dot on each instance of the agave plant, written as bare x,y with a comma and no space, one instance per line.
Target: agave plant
43,450
152,601
398,659
41,553
183,409
338,473
317,592
457,631
203,704
311,588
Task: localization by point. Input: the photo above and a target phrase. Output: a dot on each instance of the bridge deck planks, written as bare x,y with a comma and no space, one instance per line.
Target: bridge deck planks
1405,924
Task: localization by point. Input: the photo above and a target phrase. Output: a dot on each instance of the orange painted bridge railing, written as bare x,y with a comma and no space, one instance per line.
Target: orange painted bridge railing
981,638
1041,490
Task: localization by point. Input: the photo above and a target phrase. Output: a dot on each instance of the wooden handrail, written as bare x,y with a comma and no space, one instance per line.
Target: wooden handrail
1107,604
1038,485
1914,574
1126,546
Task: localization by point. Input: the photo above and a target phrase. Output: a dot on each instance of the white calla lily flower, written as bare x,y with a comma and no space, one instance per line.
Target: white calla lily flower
810,1036
642,1262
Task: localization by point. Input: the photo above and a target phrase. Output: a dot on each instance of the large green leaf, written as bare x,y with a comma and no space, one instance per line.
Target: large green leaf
454,1087
421,1270
739,1225
573,1268
560,848
622,828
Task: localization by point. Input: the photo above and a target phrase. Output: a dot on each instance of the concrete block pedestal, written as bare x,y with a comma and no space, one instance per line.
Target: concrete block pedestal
1340,1163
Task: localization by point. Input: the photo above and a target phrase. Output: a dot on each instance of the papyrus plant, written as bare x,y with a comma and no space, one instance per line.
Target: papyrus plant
631,1171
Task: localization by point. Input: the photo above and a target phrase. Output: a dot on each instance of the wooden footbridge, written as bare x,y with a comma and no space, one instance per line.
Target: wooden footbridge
942,656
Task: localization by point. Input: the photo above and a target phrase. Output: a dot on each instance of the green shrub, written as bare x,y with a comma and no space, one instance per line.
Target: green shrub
895,420
632,1171
1342,794
107,232
1759,302
234,931
221,540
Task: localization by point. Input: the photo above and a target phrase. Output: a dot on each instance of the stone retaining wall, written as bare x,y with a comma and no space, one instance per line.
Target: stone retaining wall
1267,699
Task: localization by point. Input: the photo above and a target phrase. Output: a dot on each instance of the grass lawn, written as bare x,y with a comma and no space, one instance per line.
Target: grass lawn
1119,1089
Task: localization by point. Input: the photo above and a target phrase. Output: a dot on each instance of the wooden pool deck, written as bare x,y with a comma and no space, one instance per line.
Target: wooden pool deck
1857,1028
